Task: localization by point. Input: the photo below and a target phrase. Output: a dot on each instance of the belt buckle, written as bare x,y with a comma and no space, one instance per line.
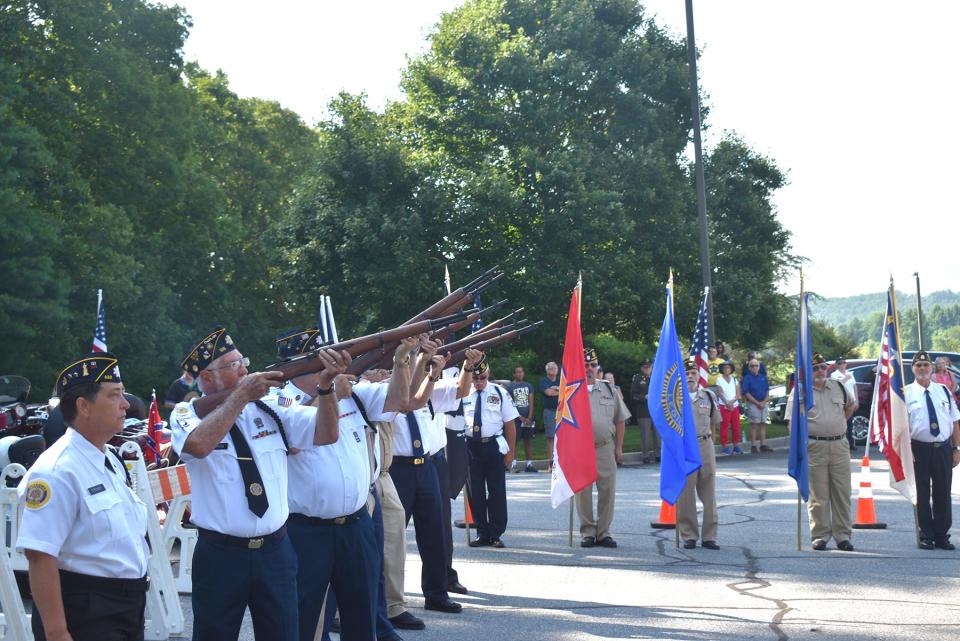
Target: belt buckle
255,544
418,460
340,520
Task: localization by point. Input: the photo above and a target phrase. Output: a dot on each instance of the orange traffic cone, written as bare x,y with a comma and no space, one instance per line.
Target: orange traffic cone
866,514
467,515
668,517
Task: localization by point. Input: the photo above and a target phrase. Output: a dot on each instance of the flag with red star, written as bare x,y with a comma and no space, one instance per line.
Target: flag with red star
574,457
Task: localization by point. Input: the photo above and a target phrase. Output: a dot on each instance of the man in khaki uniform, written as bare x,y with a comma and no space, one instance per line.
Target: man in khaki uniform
706,414
609,414
828,455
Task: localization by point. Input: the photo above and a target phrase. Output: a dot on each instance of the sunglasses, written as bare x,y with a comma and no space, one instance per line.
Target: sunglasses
233,365
822,366
480,377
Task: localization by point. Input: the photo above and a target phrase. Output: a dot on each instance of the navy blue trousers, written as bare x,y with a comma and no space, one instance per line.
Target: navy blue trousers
419,491
226,579
488,489
384,627
443,476
344,556
933,468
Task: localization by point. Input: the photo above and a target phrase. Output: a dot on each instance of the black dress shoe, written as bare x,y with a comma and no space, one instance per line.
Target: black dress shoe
588,542
497,543
945,545
390,637
711,545
607,542
457,588
443,605
819,545
689,544
407,621
479,543
846,546
926,544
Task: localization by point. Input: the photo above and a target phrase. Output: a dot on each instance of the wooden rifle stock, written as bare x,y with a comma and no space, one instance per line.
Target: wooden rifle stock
459,356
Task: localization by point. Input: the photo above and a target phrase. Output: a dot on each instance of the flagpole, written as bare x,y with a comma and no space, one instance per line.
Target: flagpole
579,308
802,408
919,313
570,529
896,324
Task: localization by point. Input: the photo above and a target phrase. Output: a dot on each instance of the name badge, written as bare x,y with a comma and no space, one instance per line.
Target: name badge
221,446
96,489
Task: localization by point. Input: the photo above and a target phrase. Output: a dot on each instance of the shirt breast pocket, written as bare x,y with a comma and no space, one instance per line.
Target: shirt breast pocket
107,514
272,457
606,401
223,460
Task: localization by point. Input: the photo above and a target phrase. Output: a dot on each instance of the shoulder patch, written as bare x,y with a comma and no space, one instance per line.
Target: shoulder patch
37,494
182,410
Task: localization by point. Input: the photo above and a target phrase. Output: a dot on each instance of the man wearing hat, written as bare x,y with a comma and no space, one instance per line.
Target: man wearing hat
935,441
829,459
489,422
237,459
639,389
83,529
330,528
416,438
609,415
702,483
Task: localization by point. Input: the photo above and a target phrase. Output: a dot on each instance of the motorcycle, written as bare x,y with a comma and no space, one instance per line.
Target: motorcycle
21,424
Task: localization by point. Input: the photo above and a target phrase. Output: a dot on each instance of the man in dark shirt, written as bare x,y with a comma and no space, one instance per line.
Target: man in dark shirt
522,394
178,390
649,443
550,390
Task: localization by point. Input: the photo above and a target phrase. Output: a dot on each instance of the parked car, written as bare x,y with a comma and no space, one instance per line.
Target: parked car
778,403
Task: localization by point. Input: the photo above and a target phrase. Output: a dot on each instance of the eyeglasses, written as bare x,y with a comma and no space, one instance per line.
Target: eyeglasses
233,365
593,364
480,377
754,367
822,366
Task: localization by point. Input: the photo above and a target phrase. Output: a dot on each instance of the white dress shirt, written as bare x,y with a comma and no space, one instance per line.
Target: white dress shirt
497,409
943,403
432,431
82,513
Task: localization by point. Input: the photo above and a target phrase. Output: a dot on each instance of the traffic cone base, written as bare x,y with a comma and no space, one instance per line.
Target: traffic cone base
668,517
866,512
467,515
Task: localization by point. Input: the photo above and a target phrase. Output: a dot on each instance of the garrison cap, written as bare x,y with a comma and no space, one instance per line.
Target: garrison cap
818,358
482,366
294,343
922,357
208,349
690,365
840,359
645,362
95,367
589,355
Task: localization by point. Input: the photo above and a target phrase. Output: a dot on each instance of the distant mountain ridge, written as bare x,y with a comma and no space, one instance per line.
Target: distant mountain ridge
841,310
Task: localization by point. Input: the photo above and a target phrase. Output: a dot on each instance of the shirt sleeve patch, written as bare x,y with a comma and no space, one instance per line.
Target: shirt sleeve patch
37,494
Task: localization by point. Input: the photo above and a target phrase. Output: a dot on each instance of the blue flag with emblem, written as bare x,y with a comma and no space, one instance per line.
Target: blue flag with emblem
672,412
802,402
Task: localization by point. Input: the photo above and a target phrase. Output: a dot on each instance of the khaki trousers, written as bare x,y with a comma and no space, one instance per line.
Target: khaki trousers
606,492
829,505
702,483
394,545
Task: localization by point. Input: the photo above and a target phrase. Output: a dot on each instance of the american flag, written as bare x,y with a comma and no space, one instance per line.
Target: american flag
889,419
477,324
701,335
100,333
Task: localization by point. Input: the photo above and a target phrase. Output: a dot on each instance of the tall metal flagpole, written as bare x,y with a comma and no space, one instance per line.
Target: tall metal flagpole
896,321
919,313
801,409
698,168
579,308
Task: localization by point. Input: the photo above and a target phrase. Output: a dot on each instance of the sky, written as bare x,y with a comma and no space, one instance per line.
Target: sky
851,99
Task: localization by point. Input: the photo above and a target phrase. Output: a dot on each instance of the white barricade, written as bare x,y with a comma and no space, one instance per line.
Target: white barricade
172,485
164,616
14,621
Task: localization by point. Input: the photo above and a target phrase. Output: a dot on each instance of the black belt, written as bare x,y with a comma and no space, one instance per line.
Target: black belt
485,439
826,438
340,520
413,460
929,444
704,437
104,584
251,543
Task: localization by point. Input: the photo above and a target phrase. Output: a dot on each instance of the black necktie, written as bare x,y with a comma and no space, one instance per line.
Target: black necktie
477,417
253,482
932,414
415,434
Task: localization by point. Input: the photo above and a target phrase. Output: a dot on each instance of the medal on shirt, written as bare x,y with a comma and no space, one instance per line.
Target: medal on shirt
417,444
256,489
476,428
934,427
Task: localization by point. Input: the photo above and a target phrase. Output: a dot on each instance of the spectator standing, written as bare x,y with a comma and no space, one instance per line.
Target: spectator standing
178,390
550,389
639,389
713,365
728,390
942,374
610,378
756,392
522,394
845,378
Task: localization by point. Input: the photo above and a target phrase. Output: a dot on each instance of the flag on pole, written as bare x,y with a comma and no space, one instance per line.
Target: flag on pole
100,331
574,457
671,410
478,324
154,432
802,402
701,336
446,278
331,324
889,419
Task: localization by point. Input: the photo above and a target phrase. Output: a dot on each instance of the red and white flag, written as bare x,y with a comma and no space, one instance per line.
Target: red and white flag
100,331
698,348
889,419
574,457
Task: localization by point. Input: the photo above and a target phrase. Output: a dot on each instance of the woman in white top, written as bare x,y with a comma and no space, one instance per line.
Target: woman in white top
728,390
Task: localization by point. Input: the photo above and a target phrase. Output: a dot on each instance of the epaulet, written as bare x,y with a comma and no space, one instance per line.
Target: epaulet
710,393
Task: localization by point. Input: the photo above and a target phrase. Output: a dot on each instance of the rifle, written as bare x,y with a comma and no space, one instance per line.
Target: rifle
458,357
309,363
491,330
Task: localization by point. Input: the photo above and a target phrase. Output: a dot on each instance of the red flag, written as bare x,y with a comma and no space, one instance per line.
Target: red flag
154,432
574,458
